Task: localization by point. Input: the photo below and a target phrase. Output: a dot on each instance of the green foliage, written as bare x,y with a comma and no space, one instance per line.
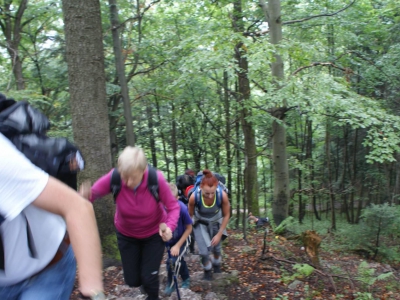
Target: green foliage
110,247
377,230
176,57
281,297
303,270
366,275
232,222
363,296
284,225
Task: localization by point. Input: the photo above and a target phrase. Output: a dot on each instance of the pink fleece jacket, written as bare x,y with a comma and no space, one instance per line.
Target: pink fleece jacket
137,213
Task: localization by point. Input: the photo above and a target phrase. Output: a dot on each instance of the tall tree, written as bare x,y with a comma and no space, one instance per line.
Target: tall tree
120,66
12,25
280,204
88,99
250,170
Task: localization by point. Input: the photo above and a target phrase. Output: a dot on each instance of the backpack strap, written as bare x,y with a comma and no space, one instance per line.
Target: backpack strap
2,263
152,183
197,197
218,194
115,184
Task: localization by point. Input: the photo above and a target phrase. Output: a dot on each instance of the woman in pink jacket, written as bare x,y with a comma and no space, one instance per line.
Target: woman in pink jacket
137,218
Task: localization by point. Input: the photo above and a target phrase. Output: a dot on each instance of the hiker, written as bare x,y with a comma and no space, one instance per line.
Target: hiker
184,183
137,217
210,209
260,222
36,210
177,248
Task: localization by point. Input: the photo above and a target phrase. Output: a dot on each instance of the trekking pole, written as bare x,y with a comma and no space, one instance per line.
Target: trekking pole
163,227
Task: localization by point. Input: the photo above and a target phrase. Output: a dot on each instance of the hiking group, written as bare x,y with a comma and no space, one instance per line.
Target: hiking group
47,227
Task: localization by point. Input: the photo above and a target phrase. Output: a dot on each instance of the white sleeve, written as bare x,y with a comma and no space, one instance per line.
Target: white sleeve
21,182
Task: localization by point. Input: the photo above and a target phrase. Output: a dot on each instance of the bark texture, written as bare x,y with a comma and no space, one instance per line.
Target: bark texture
280,205
250,149
88,99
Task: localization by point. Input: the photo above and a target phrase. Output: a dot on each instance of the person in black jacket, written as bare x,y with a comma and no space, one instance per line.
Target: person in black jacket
260,222
184,183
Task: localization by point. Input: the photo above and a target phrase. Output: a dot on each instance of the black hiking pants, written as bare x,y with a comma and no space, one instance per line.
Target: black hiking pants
141,259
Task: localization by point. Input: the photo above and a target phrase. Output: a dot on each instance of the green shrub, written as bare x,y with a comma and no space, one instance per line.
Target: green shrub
284,225
366,275
110,247
377,229
301,271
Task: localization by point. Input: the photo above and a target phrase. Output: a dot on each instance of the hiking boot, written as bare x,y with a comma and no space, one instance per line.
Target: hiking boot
141,288
186,283
207,275
217,269
169,289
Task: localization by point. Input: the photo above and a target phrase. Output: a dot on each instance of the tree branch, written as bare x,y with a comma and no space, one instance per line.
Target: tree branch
132,74
324,64
320,15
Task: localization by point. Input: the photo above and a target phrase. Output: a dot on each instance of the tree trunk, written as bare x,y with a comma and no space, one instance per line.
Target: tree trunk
88,99
227,108
265,189
330,181
12,27
301,206
309,158
113,104
238,177
120,66
280,205
150,124
174,143
163,142
346,209
396,188
354,177
250,150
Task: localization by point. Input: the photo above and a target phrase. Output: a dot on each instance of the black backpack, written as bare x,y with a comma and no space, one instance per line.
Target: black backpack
152,183
26,128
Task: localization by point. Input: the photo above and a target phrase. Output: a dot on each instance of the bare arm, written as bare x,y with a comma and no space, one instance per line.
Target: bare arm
185,235
191,205
176,248
226,215
82,228
253,218
226,212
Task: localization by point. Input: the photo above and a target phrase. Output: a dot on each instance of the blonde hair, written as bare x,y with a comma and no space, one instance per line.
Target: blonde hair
132,159
174,189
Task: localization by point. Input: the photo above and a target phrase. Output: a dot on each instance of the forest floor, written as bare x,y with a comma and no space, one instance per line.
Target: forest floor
278,273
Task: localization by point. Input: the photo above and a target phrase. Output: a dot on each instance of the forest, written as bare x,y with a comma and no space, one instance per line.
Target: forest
295,102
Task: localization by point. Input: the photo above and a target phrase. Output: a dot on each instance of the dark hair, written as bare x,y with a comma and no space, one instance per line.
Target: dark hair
209,179
183,181
5,102
189,172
